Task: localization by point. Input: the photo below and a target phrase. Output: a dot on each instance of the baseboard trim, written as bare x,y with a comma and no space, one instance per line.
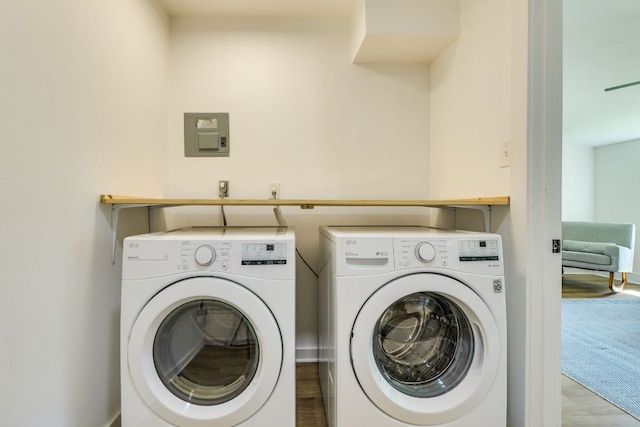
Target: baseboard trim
307,354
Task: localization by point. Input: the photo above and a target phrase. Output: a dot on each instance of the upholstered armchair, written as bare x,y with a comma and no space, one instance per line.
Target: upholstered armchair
599,246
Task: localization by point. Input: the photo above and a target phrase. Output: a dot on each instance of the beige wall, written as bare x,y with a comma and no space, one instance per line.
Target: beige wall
471,105
301,113
478,102
83,100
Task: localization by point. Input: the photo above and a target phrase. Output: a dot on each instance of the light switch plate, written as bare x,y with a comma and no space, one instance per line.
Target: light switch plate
206,135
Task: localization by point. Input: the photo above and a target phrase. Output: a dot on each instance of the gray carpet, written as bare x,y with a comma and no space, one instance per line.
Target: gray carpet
601,348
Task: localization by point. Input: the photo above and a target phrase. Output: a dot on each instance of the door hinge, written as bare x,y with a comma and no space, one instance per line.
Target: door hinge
555,246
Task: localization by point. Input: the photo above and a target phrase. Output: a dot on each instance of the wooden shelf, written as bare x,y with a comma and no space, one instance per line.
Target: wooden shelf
303,203
118,203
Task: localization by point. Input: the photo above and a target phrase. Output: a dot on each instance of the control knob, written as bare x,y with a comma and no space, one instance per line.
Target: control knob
425,252
205,255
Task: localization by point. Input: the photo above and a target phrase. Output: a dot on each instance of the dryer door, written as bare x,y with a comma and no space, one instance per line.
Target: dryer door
425,349
205,350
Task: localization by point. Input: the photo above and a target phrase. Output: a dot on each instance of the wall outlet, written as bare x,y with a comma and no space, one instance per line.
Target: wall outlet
223,189
505,155
274,189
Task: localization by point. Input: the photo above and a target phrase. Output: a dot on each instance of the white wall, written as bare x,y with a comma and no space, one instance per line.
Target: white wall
470,105
578,183
479,100
598,185
300,113
616,186
83,100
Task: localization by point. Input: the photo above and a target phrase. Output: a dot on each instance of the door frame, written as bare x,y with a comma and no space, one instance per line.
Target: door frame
543,396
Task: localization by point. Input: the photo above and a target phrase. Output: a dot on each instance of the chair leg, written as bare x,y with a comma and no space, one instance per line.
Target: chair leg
612,285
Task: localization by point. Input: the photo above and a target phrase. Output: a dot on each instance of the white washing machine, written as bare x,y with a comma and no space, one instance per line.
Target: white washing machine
208,328
412,327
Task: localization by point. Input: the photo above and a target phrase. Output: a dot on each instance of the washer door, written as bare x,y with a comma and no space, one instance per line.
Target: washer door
205,349
425,349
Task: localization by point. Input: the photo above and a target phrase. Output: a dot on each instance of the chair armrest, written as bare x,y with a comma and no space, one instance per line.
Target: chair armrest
621,257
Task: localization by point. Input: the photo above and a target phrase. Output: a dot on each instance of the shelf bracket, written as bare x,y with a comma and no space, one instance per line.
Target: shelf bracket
486,213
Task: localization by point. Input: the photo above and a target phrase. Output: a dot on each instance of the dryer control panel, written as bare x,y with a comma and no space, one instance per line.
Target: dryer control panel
234,252
264,253
418,252
204,254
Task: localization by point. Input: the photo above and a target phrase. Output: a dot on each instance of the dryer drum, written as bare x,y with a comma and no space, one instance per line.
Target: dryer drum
206,352
423,344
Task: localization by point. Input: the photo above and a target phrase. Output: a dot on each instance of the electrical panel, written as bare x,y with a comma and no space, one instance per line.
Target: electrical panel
206,134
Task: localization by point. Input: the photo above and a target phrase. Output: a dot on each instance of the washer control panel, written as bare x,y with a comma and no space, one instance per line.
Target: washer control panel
478,250
371,250
479,255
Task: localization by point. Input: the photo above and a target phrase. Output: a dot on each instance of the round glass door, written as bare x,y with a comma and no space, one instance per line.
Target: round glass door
206,352
425,349
423,344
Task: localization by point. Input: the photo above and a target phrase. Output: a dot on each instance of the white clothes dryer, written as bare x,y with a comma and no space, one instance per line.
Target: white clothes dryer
412,327
208,328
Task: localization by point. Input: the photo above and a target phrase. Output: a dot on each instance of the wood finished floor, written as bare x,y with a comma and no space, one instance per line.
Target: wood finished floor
580,407
309,408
